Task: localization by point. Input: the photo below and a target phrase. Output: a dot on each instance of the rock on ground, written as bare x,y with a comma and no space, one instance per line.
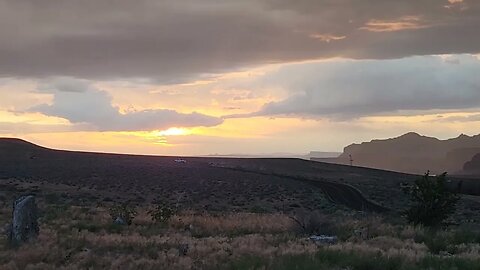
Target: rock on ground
24,222
120,221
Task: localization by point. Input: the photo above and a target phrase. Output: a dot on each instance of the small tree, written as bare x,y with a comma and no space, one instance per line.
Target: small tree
432,201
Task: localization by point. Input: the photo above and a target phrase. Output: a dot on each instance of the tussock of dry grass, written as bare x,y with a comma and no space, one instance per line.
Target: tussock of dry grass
386,246
240,223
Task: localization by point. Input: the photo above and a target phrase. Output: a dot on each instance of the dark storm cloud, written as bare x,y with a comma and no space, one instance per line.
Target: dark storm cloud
357,88
81,103
171,41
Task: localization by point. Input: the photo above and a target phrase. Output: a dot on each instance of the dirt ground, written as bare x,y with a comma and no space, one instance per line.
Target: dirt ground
210,184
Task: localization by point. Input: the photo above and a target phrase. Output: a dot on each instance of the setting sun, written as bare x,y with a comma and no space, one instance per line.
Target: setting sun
257,134
173,132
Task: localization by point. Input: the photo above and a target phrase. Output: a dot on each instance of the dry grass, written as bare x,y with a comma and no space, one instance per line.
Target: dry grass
84,238
237,223
67,242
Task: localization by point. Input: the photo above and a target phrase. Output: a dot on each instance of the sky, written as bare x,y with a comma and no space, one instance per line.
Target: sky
199,77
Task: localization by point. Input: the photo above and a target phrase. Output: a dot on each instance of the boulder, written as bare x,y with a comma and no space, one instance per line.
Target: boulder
24,222
120,221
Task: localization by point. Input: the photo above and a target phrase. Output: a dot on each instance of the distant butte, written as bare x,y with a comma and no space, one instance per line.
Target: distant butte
413,153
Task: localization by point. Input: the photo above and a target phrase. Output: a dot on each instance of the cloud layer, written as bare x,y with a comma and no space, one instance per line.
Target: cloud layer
171,41
81,103
346,89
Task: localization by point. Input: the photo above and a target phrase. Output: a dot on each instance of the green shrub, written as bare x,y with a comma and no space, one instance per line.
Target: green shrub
432,202
162,212
124,211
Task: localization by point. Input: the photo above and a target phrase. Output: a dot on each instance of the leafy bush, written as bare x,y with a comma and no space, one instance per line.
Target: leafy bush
162,212
432,202
125,211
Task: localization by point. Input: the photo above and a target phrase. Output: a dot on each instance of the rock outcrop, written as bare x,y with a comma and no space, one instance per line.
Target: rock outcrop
472,166
24,222
412,153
